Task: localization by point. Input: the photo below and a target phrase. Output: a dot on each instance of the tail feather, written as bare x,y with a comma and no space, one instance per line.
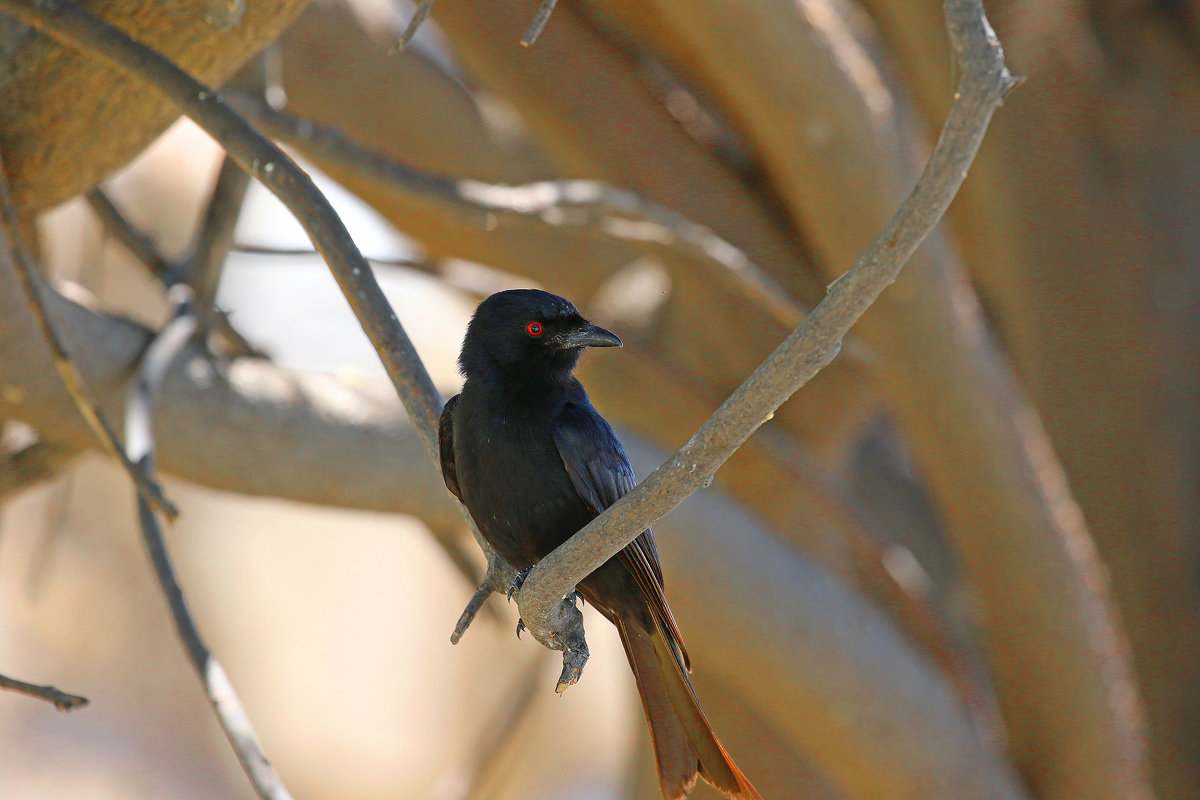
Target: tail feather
685,745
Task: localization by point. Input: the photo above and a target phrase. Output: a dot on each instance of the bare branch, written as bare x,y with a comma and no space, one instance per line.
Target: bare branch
214,239
276,171
539,22
139,425
62,700
410,30
117,225
809,653
205,249
1057,657
211,409
814,343
263,250
606,210
12,247
498,579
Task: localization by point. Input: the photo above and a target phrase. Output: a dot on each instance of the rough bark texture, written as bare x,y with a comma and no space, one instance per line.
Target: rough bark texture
1072,229
67,121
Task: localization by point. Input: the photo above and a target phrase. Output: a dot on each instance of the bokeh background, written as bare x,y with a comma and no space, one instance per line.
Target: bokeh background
963,562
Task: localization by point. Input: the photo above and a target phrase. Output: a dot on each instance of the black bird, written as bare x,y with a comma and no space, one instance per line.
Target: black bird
533,462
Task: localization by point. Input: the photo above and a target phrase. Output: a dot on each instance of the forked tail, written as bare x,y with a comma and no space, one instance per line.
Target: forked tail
684,743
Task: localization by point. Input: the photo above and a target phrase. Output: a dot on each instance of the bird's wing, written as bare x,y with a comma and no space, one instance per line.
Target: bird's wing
601,473
446,446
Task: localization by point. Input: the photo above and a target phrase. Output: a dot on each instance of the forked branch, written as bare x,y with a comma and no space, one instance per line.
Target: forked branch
139,431
811,346
72,25
15,250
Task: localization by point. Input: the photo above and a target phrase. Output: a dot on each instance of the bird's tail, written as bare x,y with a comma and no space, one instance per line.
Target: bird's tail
684,743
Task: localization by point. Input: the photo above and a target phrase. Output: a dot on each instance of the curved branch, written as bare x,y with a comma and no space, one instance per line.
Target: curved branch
1048,622
14,254
817,660
68,121
840,659
139,427
814,343
258,156
209,411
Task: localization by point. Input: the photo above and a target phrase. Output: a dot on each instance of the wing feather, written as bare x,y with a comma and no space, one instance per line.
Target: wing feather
446,447
601,473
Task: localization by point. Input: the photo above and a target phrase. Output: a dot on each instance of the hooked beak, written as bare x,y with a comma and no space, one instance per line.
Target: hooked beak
589,335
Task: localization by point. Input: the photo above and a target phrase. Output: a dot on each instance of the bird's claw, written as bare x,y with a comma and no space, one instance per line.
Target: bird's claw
520,626
570,676
518,581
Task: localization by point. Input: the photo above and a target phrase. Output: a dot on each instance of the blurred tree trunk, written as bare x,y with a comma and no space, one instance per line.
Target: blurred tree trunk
67,121
1078,223
790,128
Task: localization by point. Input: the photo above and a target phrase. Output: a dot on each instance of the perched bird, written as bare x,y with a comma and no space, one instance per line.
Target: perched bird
533,462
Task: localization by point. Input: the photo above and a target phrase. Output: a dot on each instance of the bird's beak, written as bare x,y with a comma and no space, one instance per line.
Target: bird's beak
590,335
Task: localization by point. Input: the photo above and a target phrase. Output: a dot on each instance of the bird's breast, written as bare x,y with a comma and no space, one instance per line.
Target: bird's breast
514,483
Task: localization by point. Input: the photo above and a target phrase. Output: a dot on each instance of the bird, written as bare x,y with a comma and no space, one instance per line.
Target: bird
532,460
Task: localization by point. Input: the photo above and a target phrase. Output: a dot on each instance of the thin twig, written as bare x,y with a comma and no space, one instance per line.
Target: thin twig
498,578
277,172
30,277
73,25
139,425
539,21
117,225
62,700
264,250
815,342
214,239
607,210
410,30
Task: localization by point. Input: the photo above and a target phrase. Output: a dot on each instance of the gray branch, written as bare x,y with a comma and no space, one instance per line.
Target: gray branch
596,207
545,9
139,432
72,25
15,257
63,701
815,342
810,652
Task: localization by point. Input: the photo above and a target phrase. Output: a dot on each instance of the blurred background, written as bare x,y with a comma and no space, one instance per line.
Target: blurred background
962,563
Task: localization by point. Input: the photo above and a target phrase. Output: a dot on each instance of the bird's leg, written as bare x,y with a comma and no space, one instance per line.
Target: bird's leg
518,581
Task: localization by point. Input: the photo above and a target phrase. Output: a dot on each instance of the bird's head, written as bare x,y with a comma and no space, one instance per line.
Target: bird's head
526,333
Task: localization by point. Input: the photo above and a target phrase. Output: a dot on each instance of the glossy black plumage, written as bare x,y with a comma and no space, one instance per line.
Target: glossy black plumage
531,459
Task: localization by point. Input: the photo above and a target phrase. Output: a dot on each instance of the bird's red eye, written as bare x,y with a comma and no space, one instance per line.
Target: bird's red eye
534,329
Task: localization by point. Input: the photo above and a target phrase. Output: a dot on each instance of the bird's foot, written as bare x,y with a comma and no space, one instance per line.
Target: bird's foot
518,581
568,636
